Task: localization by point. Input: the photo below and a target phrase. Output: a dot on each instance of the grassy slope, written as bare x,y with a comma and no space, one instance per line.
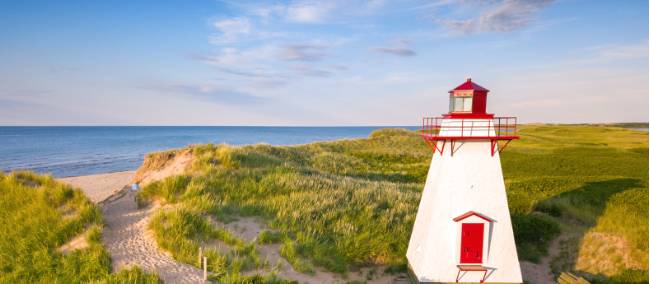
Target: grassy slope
581,180
351,203
38,215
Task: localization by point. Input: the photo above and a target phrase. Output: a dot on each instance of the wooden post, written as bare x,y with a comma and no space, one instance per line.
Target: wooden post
200,255
205,268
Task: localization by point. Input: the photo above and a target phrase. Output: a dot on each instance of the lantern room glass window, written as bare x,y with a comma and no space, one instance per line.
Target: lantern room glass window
460,104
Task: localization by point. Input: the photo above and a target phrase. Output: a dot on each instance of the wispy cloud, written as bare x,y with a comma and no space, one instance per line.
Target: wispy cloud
231,30
621,51
272,65
213,93
255,62
400,49
310,71
302,52
247,54
502,16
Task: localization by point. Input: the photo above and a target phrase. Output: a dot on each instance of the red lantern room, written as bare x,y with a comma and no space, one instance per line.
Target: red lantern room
468,100
468,120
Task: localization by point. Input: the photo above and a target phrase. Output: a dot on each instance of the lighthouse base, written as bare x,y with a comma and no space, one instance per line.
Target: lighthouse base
462,271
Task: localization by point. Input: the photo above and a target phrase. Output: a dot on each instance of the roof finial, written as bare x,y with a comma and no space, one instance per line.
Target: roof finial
469,78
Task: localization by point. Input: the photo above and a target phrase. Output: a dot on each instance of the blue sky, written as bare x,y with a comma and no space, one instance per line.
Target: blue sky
318,62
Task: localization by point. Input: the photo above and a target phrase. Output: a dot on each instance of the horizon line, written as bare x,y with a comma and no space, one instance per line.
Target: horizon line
253,125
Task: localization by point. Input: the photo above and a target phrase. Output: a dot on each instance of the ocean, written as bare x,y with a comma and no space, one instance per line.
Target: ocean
73,151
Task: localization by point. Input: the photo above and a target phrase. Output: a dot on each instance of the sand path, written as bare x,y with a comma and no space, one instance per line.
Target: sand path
542,273
127,240
125,235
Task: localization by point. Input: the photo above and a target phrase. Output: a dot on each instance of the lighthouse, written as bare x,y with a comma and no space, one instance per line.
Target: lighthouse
462,231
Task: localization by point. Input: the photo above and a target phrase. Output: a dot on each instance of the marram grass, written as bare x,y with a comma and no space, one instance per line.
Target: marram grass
37,216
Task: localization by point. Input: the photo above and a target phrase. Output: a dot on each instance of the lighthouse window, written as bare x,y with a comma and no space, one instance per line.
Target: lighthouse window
467,104
461,104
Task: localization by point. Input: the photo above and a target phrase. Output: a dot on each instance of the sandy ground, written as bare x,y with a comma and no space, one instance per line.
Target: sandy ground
77,243
101,186
127,240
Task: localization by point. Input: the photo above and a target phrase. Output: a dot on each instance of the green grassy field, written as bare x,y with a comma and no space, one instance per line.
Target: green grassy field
589,182
347,204
39,215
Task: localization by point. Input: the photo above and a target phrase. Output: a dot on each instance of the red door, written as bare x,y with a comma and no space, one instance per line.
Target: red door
471,243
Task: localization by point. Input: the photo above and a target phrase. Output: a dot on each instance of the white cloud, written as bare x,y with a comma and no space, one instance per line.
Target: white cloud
266,12
230,30
308,12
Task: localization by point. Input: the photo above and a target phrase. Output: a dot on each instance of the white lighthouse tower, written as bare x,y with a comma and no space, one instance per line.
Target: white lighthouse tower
462,232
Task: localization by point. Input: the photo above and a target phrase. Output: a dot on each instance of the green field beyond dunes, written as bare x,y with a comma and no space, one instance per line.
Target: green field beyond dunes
588,185
348,204
38,216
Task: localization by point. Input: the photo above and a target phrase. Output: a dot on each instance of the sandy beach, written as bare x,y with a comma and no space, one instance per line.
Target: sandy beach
100,186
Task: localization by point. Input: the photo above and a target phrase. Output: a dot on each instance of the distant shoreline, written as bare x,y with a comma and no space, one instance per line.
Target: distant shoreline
78,151
74,151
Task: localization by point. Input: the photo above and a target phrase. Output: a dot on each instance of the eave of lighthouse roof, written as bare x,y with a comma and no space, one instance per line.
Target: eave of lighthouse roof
469,86
472,213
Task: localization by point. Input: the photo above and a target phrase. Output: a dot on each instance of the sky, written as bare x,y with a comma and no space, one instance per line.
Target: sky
208,62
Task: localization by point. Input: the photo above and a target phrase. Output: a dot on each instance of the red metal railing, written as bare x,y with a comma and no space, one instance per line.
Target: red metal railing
436,135
501,128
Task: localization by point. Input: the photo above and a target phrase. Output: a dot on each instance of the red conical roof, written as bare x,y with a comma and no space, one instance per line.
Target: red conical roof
470,86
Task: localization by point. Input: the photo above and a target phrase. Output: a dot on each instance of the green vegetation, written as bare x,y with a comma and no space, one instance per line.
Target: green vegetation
183,231
591,184
133,275
351,203
335,209
268,237
37,216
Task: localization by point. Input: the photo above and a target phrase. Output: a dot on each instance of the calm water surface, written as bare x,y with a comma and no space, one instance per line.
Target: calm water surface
72,151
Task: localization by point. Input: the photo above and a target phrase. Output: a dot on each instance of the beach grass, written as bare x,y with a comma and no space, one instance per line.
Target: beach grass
347,204
38,215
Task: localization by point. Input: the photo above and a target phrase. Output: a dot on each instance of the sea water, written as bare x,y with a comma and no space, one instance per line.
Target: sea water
73,151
